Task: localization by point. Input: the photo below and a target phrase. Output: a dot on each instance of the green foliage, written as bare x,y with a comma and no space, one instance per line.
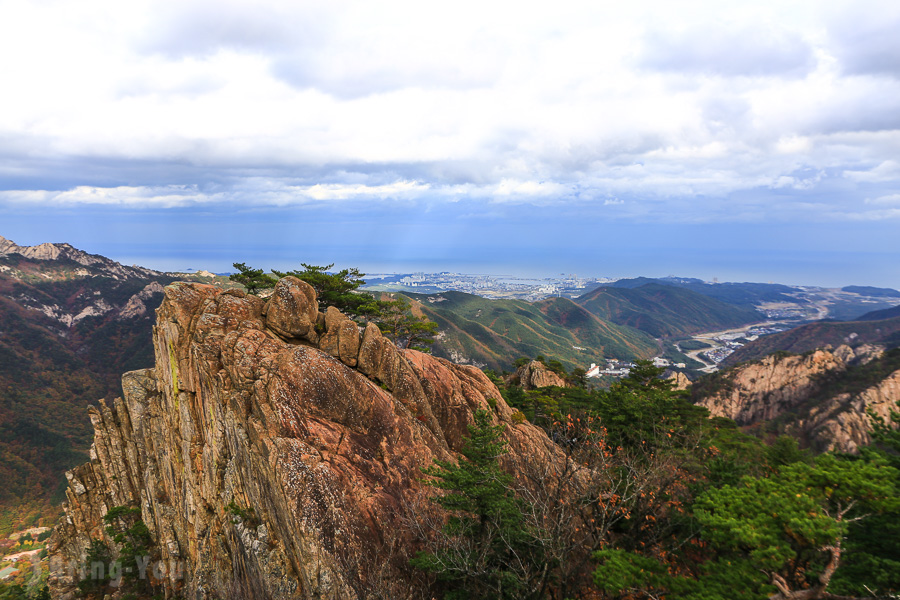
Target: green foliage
396,320
252,279
337,289
783,532
785,450
131,534
786,523
12,592
247,515
486,530
644,410
872,562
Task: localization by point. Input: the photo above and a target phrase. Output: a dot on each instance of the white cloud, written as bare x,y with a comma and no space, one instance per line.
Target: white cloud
889,200
889,170
406,100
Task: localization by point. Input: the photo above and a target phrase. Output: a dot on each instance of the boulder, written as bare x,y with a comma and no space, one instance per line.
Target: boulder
292,310
341,338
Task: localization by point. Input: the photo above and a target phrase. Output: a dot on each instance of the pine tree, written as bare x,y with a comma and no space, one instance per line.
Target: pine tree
486,550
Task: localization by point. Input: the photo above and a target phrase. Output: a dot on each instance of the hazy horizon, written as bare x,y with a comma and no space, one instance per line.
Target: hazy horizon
219,259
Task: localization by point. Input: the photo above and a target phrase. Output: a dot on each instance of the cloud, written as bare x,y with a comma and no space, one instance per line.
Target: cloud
249,192
889,200
888,170
689,109
865,41
722,50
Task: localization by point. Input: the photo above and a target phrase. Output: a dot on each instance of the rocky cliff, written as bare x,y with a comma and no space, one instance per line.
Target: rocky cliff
822,397
272,448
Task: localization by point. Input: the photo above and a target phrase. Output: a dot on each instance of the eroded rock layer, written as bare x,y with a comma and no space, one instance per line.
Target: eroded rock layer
801,395
272,446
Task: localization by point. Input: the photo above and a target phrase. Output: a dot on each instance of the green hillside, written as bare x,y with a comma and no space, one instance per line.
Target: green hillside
664,311
496,332
743,294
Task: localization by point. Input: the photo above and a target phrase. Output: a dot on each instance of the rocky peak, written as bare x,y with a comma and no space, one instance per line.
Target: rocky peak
272,448
534,375
57,251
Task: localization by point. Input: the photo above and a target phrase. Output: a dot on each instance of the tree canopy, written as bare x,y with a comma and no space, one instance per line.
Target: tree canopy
341,290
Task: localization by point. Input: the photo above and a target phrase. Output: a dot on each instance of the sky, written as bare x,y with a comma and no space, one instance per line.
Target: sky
747,141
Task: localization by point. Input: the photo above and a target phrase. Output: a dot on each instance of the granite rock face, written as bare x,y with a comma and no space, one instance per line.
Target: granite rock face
534,375
777,385
263,463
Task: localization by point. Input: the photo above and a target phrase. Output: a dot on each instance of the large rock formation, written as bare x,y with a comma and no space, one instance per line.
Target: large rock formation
798,393
534,375
263,463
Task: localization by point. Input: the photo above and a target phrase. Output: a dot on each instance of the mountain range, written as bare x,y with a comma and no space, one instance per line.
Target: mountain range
71,322
665,311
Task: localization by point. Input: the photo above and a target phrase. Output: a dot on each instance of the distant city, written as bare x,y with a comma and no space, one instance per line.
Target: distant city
487,286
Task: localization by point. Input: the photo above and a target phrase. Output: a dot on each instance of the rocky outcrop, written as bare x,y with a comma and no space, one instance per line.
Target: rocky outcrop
263,463
292,310
843,423
342,338
765,389
534,375
800,392
679,380
137,304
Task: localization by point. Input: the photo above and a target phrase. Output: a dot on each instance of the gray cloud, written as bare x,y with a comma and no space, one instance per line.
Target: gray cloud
751,51
867,42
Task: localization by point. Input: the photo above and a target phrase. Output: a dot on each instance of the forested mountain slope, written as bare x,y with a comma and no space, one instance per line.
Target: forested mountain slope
665,311
493,333
70,324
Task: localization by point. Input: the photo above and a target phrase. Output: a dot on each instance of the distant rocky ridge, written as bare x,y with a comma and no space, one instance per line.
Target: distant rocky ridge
100,264
822,397
312,430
